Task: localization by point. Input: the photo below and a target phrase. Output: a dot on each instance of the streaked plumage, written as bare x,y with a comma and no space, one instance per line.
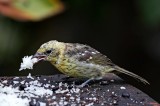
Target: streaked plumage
78,60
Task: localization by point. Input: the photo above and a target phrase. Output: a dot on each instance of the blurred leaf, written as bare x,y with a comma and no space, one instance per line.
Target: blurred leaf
31,9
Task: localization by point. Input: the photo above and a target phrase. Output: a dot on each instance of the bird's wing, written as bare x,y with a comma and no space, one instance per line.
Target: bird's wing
88,54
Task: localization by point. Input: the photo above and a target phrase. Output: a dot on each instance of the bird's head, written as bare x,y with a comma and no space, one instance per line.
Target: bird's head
49,51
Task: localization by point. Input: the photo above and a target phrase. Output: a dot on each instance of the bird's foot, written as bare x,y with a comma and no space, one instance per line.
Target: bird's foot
84,83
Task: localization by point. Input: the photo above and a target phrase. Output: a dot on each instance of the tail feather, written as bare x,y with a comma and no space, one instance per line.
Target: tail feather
119,69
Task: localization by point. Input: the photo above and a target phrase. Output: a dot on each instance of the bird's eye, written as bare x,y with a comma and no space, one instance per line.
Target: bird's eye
48,51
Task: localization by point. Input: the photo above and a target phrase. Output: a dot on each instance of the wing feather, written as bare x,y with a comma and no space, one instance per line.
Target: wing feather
87,54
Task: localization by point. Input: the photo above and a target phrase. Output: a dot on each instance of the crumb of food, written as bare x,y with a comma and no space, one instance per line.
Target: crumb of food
29,76
122,87
28,63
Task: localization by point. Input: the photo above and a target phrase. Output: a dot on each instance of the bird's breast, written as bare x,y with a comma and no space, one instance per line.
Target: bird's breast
75,68
67,67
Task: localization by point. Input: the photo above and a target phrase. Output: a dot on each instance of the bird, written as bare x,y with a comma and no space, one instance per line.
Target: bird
80,61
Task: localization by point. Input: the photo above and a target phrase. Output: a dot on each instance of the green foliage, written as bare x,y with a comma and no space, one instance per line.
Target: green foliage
35,7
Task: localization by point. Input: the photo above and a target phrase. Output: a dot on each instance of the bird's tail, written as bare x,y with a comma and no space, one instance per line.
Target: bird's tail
119,69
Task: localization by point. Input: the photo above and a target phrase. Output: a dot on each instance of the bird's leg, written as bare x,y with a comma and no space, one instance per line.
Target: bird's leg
84,83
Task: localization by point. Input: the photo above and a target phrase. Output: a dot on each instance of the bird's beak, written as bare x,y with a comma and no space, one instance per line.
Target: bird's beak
40,56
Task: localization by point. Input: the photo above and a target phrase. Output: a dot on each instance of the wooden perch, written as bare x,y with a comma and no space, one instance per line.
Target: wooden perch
59,90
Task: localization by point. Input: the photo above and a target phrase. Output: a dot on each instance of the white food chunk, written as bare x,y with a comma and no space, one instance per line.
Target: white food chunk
28,62
122,87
